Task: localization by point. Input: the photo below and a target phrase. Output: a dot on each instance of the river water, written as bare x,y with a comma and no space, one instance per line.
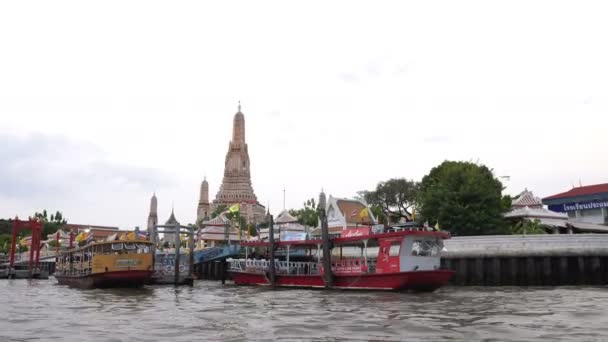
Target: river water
43,311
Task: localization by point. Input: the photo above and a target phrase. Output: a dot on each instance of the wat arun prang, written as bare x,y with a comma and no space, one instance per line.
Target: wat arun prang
236,184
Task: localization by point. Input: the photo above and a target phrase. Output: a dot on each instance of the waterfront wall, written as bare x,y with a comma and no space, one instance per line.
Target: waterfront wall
530,260
212,270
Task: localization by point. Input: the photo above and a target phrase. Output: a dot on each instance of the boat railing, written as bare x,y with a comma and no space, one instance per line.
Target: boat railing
350,265
281,267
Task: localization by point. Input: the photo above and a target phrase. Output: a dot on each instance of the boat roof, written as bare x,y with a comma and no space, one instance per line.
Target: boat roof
146,242
373,239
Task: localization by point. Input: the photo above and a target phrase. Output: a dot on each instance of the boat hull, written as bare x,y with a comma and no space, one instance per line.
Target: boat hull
133,278
423,281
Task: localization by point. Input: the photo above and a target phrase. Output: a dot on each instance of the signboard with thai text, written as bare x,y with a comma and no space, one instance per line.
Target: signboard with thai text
292,236
351,232
578,206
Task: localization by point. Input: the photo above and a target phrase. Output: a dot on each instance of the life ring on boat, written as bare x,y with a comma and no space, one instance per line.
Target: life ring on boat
364,268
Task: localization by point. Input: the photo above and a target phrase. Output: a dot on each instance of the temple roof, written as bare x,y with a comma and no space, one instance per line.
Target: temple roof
219,220
172,219
527,199
529,212
285,217
351,209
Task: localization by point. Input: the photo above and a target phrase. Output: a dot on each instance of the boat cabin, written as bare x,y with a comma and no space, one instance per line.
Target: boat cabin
356,252
103,257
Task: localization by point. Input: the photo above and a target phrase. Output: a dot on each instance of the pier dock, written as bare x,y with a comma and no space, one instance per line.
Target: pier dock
532,260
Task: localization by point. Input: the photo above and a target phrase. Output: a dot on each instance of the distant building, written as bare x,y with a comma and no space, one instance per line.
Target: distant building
236,185
99,232
216,232
529,207
584,204
286,227
153,215
345,214
169,235
202,210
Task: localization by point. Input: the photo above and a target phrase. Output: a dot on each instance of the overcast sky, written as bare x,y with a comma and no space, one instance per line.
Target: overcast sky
104,103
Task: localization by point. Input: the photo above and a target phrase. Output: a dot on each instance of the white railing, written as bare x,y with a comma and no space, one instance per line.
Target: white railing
281,267
25,256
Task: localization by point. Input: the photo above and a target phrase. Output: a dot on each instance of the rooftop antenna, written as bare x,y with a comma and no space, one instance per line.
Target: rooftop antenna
239,105
283,198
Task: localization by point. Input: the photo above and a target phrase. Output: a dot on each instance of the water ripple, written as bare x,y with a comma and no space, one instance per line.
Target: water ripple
209,311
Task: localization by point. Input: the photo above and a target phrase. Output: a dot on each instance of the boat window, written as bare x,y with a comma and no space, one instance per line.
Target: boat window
425,248
395,247
106,249
130,246
117,246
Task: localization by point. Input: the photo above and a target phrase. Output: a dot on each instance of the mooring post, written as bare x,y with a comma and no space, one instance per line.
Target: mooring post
271,268
38,241
191,256
327,273
32,247
177,243
223,271
13,245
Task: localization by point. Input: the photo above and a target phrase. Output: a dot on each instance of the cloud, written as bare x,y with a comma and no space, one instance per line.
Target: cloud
47,166
438,139
373,70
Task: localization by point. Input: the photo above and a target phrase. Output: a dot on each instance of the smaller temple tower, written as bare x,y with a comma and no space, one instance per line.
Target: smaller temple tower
202,211
153,216
169,236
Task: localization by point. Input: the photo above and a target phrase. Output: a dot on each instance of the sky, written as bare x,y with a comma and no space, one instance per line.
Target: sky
104,103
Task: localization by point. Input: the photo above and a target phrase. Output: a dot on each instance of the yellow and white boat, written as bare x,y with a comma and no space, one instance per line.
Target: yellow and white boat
106,264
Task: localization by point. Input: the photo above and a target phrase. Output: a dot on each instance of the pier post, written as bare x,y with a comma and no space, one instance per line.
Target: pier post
563,271
596,269
327,272
13,245
177,243
478,276
513,271
496,269
191,256
271,268
580,272
530,271
461,271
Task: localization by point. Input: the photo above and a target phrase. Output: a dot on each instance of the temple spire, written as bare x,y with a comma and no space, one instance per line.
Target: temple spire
238,128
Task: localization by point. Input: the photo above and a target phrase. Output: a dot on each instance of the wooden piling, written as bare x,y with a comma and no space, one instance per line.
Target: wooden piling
271,268
327,271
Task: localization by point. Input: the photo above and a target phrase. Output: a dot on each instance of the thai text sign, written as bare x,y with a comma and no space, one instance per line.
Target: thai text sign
355,232
586,205
292,236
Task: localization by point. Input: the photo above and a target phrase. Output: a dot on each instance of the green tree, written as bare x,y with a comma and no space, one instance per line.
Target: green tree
528,227
218,210
5,243
395,198
6,226
50,226
465,198
307,215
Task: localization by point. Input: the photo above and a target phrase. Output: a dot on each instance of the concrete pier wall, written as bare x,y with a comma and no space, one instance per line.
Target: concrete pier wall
528,260
213,270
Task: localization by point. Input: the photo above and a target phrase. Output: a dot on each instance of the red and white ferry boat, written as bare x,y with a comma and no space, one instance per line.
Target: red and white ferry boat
401,259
